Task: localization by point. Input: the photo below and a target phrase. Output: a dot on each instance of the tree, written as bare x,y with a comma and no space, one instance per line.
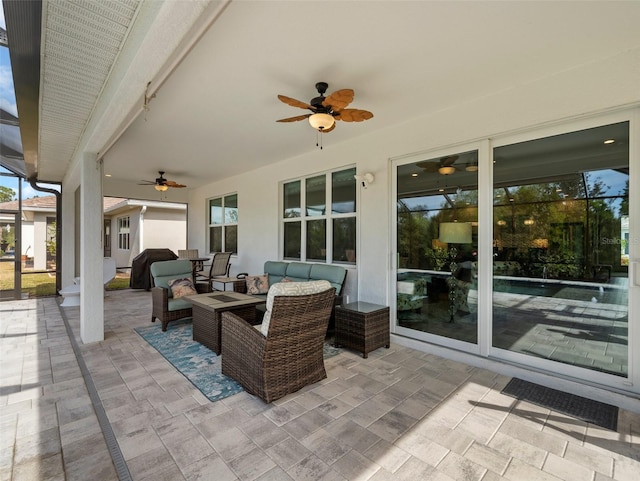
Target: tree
6,194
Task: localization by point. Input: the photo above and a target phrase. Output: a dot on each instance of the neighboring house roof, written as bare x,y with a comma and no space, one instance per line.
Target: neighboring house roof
111,205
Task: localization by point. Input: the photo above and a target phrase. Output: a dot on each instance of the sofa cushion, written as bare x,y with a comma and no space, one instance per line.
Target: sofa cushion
334,274
276,270
290,289
298,271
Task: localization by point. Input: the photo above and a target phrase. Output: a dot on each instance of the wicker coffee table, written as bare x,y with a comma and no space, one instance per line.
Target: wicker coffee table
362,326
208,308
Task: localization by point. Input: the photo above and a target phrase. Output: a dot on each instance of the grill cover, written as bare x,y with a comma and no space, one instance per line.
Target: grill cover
141,266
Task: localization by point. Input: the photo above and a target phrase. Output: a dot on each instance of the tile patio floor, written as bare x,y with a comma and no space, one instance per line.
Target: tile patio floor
401,414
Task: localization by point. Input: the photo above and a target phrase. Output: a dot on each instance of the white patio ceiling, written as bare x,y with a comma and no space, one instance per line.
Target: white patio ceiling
214,115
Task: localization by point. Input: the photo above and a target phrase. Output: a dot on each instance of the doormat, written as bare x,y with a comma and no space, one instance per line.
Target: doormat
594,412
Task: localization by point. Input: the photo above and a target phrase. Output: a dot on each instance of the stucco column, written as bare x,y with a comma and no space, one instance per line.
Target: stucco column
68,236
91,250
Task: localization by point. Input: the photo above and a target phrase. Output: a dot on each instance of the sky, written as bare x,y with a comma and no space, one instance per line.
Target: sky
8,103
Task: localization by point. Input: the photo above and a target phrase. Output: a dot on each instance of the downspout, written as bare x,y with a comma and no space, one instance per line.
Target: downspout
32,181
141,229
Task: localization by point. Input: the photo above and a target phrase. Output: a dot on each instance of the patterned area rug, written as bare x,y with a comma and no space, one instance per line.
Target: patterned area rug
594,412
197,363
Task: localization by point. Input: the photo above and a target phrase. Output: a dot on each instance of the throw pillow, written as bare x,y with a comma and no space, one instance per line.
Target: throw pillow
182,287
257,284
290,289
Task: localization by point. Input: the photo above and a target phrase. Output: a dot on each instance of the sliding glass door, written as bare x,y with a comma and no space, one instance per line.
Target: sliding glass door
437,239
523,249
561,248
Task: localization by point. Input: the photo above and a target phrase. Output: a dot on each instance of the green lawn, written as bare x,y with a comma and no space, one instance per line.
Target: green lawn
44,284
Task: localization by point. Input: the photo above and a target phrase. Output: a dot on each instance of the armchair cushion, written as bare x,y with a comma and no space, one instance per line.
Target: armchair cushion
182,287
290,289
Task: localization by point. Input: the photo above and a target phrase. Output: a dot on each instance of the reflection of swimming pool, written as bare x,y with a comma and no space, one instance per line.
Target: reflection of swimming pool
526,288
576,290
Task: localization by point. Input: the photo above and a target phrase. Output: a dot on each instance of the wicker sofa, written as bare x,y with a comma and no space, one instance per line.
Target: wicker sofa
277,271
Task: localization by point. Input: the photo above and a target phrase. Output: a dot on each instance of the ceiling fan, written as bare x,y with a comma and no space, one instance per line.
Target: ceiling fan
161,184
326,110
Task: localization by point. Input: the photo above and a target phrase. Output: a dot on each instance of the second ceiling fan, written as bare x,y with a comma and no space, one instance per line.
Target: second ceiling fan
326,110
161,183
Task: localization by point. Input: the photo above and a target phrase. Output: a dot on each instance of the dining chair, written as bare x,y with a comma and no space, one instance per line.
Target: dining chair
219,267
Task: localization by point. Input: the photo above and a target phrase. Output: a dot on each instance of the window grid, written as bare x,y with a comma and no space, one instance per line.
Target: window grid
222,229
124,232
327,216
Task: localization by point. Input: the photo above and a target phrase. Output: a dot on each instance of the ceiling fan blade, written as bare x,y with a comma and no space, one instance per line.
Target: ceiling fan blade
295,119
448,160
339,99
429,166
171,183
354,115
147,182
294,102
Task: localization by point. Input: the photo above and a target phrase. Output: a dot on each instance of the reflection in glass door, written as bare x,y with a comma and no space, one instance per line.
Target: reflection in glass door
9,256
437,244
560,248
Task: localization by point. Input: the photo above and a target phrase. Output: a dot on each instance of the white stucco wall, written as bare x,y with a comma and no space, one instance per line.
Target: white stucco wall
592,88
165,229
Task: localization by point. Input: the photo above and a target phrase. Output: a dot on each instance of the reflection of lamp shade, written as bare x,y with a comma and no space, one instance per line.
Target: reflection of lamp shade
321,121
447,169
455,232
540,243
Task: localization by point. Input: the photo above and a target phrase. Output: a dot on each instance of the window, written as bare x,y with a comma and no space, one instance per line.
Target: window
223,224
319,218
124,233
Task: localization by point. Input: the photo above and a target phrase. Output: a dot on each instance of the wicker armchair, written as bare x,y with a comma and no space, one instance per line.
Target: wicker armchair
289,357
165,307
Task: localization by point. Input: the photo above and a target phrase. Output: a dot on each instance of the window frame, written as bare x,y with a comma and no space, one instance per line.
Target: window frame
124,238
223,224
328,217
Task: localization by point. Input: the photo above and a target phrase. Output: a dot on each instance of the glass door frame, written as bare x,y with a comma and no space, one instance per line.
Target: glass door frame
484,347
482,147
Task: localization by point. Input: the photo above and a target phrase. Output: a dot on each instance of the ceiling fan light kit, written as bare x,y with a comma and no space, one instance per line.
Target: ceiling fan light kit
326,110
447,169
161,187
321,122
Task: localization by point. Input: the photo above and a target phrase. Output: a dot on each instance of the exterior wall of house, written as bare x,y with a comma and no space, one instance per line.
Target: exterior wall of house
592,88
161,228
597,87
39,247
165,229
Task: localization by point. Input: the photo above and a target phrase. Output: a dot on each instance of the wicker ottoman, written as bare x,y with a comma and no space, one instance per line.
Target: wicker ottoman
362,326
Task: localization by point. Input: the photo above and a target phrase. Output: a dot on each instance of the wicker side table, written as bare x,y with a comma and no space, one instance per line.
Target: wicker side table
362,326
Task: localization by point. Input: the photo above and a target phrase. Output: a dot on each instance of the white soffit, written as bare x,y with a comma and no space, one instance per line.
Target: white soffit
81,41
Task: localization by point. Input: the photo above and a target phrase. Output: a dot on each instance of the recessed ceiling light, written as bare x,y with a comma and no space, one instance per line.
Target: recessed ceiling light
609,141
414,175
440,189
107,175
